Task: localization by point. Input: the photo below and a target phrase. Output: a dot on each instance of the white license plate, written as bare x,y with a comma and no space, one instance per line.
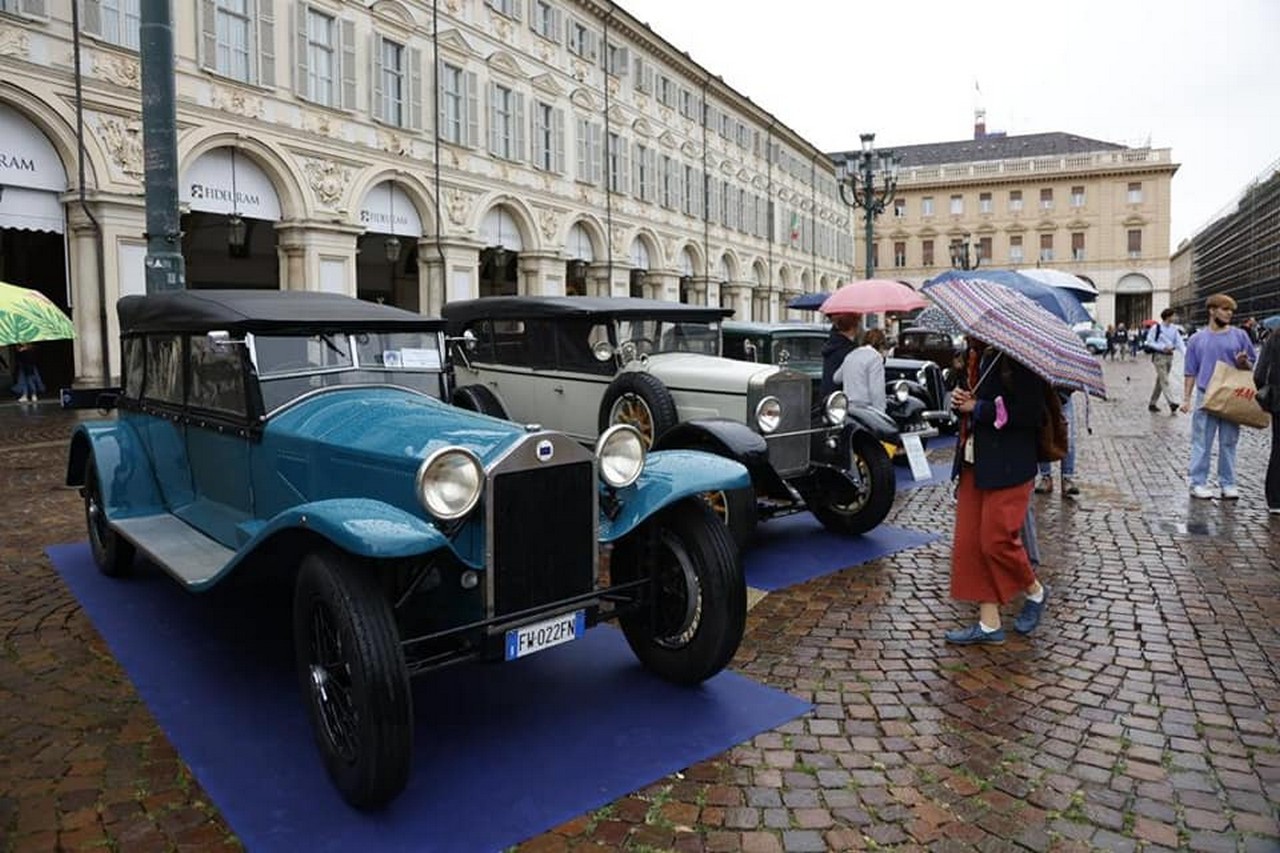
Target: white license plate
543,635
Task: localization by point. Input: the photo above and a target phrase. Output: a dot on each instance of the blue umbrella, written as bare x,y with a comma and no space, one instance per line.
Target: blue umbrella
1271,322
808,301
1061,303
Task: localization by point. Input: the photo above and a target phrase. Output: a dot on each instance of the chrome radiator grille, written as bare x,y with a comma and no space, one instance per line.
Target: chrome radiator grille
789,454
544,541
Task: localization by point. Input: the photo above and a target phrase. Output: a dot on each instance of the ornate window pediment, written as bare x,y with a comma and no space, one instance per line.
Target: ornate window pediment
642,127
1046,225
669,140
1077,225
584,99
548,83
504,63
689,149
392,12
454,42
1134,220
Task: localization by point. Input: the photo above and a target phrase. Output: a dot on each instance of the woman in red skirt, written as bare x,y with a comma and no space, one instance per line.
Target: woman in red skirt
996,466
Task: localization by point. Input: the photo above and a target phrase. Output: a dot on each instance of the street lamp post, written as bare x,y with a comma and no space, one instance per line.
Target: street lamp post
960,254
868,182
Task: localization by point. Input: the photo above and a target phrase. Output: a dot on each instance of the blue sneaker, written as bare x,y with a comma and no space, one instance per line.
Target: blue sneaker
1029,618
974,635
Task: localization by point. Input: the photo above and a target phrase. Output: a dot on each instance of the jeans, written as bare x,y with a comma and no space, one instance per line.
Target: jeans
1204,427
1068,461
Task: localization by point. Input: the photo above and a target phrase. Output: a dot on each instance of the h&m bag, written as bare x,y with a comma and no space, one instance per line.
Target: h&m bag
1231,396
1053,438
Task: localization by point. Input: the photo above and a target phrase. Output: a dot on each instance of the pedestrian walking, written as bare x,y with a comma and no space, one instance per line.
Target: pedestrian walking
1135,343
1218,341
1267,375
1067,467
995,465
1111,342
29,386
1163,340
1122,340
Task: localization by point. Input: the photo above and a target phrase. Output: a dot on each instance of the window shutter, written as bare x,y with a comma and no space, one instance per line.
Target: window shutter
540,151
348,64
34,8
517,134
713,202
442,125
375,78
592,46
208,34
676,176
624,62
92,10
495,127
266,43
557,25
597,154
300,52
517,10
471,102
583,173
557,140
413,72
624,166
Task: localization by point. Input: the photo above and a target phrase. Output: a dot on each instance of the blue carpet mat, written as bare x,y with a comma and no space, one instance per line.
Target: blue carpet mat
940,473
502,752
796,548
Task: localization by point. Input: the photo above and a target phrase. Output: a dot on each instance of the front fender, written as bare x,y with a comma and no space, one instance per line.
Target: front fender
129,487
361,526
731,439
670,476
871,420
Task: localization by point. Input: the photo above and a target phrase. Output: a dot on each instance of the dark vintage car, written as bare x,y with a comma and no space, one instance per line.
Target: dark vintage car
916,396
583,364
310,433
928,345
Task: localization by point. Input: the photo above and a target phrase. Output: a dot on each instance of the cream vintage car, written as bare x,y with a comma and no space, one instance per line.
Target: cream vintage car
583,364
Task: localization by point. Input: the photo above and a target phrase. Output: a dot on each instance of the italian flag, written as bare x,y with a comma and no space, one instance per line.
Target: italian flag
795,227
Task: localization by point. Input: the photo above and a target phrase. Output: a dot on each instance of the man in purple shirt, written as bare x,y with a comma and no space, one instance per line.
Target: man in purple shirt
1219,341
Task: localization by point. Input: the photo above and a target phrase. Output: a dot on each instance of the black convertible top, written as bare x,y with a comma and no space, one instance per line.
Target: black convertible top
280,311
464,311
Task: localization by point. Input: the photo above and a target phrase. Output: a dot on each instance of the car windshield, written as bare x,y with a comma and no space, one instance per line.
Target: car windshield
289,366
655,336
798,351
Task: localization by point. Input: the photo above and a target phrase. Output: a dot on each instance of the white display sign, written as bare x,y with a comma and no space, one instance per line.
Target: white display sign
27,157
210,186
499,229
920,469
386,209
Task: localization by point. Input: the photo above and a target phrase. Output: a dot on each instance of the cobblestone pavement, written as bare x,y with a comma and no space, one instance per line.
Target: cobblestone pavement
1142,715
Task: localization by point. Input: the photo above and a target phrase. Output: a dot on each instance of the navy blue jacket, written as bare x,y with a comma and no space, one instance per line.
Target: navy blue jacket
1007,456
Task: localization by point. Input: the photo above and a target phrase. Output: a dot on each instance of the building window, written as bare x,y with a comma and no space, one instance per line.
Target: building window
1046,247
875,256
667,91
590,152
1135,193
458,122
506,123
1046,198
391,94
900,253
984,202
321,62
666,183
689,105
1015,249
926,252
984,248
619,164
926,206
899,208
116,21
545,20
233,39
957,205
644,173
1077,196
507,8
1077,245
691,192
617,59
1135,242
581,40
548,138
1015,200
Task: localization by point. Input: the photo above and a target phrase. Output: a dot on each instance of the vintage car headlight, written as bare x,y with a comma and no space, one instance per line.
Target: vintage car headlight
836,408
769,414
449,482
620,453
901,392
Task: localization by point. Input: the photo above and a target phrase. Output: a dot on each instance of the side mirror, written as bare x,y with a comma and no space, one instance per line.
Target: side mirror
221,339
749,350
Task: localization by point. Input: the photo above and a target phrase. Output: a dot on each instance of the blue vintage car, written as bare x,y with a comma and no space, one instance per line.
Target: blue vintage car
257,430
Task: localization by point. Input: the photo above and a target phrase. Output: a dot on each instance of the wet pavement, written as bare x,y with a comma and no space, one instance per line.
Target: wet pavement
1142,714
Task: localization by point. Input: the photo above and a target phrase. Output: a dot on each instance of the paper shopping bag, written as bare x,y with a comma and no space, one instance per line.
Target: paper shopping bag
1230,396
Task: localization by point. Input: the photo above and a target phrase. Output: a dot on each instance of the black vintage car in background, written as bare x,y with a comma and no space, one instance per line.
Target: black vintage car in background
916,392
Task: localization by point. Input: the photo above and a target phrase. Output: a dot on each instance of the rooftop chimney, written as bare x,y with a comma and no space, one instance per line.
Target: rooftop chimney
979,123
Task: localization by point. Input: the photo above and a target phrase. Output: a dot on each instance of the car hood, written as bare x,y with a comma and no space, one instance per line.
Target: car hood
705,372
391,422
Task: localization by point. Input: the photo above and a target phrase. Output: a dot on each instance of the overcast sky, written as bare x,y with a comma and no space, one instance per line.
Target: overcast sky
1201,77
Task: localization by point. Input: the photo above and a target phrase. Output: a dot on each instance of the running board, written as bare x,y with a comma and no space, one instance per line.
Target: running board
176,547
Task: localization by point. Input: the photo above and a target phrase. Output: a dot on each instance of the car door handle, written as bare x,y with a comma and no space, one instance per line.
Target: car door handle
559,389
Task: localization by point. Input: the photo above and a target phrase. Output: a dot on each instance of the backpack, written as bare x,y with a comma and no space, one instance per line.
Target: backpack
1150,344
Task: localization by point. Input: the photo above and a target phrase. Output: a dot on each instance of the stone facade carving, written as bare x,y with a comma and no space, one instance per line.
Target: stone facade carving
123,141
395,143
236,101
327,180
458,203
549,220
121,70
320,124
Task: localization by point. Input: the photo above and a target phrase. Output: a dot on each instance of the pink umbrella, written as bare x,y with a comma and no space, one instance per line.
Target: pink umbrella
873,296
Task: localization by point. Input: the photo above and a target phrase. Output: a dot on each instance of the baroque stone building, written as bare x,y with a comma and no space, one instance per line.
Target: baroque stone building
405,151
1094,209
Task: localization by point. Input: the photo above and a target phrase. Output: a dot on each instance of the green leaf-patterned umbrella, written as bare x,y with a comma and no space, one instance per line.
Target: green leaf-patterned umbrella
28,315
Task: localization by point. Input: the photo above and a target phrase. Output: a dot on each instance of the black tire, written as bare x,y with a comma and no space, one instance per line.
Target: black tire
736,508
477,398
639,399
352,671
692,627
112,553
869,508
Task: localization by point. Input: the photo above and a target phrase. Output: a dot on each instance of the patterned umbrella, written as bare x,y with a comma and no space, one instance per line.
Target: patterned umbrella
1060,303
872,296
1011,322
935,319
28,315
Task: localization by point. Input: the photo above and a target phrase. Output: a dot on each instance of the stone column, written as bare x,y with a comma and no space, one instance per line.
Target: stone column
599,279
542,273
92,364
739,299
318,257
453,266
663,284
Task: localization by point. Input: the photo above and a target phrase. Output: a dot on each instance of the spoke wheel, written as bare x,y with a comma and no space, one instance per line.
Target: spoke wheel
631,409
